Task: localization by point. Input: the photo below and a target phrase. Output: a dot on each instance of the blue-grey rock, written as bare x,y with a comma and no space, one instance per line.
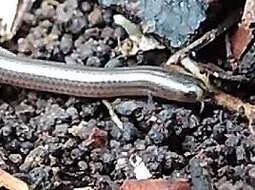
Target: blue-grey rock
174,20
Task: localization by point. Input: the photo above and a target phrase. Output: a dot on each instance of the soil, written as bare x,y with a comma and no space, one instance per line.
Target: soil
55,142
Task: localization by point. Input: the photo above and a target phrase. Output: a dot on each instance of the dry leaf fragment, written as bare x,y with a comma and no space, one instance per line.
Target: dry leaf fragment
243,36
156,184
140,170
12,183
137,40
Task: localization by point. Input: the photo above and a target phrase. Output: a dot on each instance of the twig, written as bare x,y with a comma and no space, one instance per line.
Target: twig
22,8
234,104
83,188
113,115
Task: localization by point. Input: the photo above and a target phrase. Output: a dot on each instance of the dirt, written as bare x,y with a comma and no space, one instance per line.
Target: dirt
59,142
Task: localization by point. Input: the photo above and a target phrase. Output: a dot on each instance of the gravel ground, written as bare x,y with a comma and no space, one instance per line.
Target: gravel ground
59,142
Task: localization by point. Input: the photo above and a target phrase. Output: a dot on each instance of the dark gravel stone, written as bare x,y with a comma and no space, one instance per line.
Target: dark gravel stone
251,174
115,145
14,145
158,134
92,33
89,110
240,154
77,23
24,110
131,6
154,157
116,133
108,158
86,7
126,108
53,114
177,160
25,147
232,141
108,16
102,50
24,132
3,159
85,51
169,161
189,144
76,154
107,33
66,10
96,167
140,144
6,131
247,65
199,175
167,114
4,107
219,132
238,185
129,132
120,33
184,121
73,113
61,130
35,157
39,178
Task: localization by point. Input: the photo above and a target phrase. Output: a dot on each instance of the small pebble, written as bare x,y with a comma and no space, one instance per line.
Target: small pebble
15,158
66,44
129,132
83,165
65,10
126,108
95,17
108,16
61,130
114,63
77,24
93,62
86,7
85,51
